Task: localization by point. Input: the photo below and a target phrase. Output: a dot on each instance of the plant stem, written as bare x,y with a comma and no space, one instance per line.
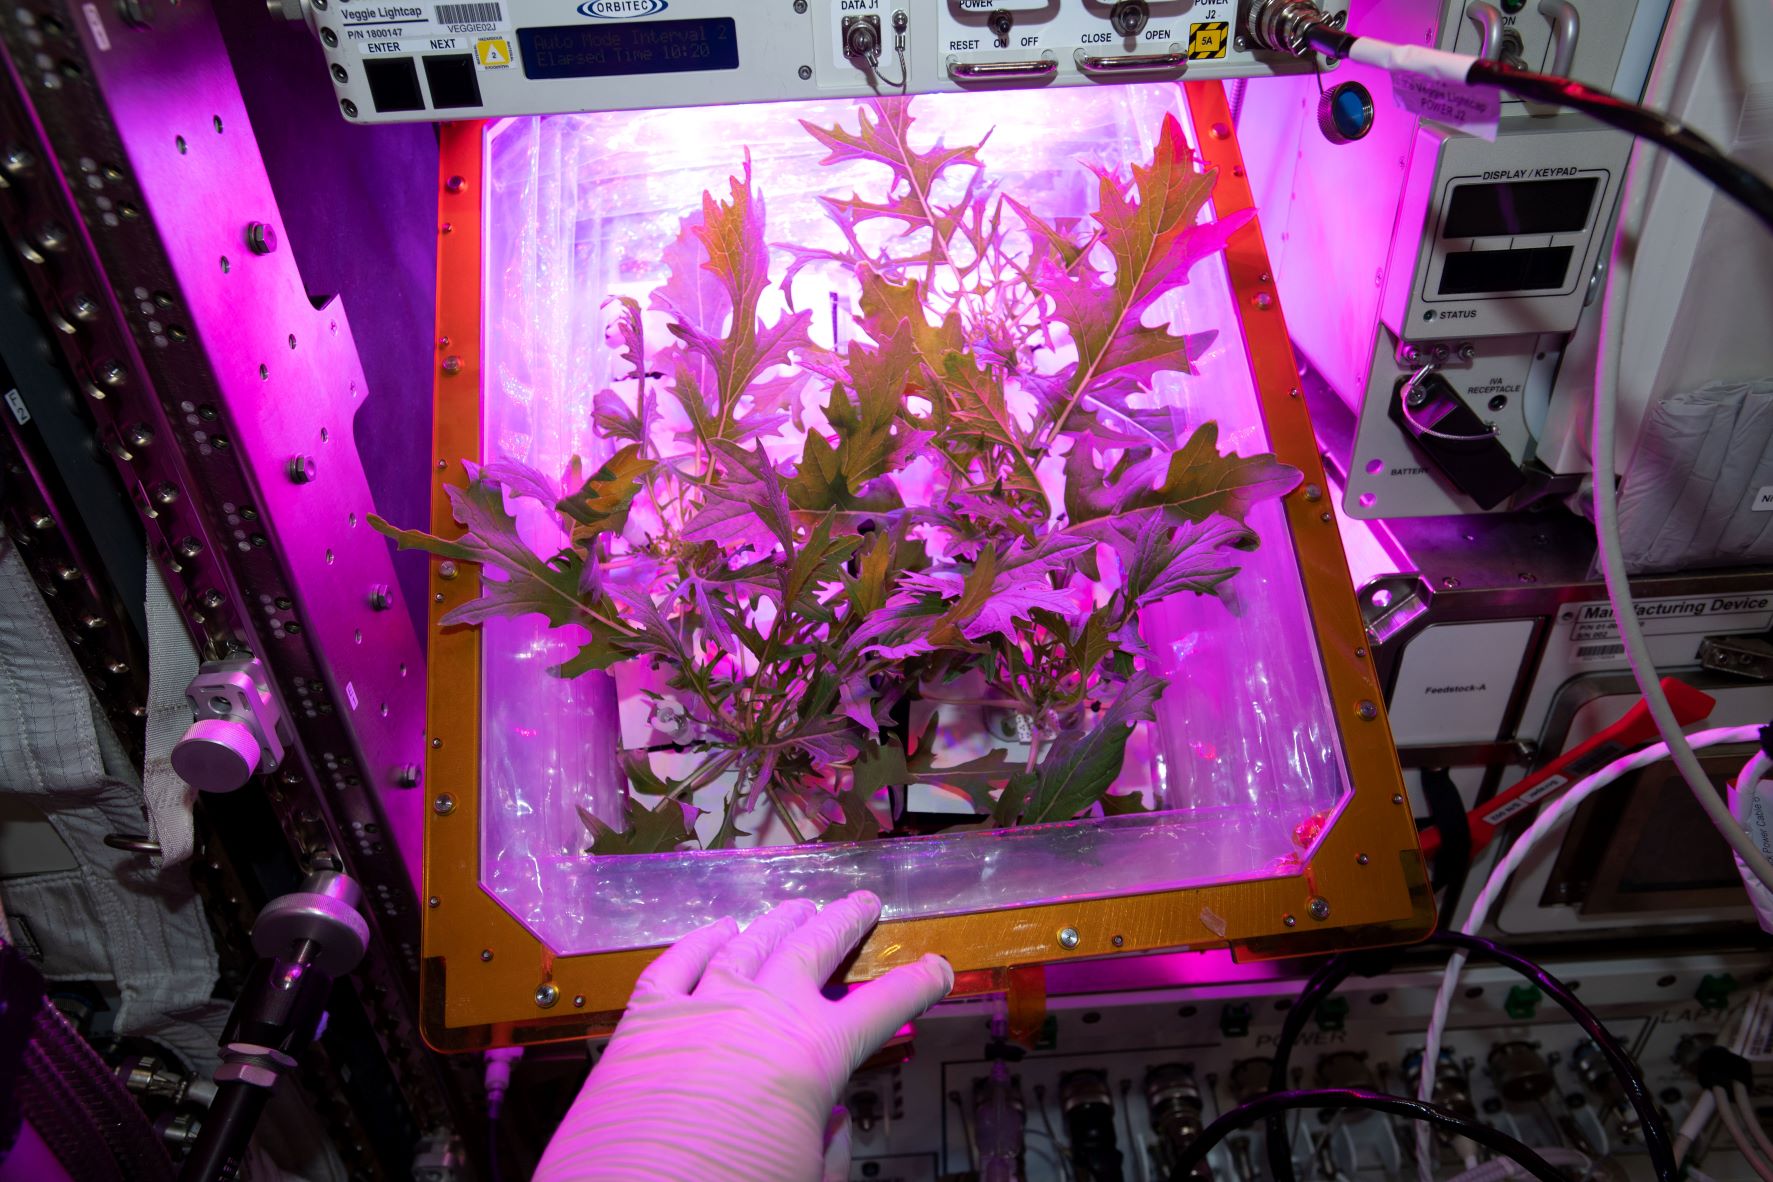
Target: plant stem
782,809
705,775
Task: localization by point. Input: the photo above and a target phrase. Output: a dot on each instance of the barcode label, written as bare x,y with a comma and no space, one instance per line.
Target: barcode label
468,14
1599,652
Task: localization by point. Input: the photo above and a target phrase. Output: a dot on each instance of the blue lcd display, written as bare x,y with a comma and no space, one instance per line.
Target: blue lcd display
624,47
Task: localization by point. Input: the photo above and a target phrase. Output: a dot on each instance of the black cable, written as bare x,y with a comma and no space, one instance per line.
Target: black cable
1331,975
227,1128
1697,152
1446,812
1655,1133
1321,984
1693,149
1277,1102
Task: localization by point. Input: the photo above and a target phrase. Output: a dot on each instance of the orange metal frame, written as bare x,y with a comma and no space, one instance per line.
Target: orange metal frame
487,980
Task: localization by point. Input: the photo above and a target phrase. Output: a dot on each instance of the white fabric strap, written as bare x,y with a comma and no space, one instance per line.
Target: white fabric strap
172,663
119,915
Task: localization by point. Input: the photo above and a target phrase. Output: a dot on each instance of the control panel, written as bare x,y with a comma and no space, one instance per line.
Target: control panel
1117,1082
447,59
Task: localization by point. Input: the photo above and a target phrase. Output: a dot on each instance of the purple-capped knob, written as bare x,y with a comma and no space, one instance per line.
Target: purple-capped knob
216,755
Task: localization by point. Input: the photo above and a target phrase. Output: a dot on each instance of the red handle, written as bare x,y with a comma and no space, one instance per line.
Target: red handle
1633,730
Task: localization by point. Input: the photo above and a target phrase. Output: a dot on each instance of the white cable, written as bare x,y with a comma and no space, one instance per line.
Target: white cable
1744,1146
1546,823
1745,1106
1502,1168
1747,806
1634,199
1411,59
1699,1118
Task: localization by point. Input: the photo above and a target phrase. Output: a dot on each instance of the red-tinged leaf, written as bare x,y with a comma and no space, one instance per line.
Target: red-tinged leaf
886,139
520,480
630,330
1011,598
1080,768
615,420
886,304
750,483
1192,483
1053,237
550,587
1200,481
601,504
857,703
722,355
1165,559
1150,230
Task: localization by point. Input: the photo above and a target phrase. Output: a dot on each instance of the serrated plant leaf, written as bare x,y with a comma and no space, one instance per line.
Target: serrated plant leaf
1081,768
660,829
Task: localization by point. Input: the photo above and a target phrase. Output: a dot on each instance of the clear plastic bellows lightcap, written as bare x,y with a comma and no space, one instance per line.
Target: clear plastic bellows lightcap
874,495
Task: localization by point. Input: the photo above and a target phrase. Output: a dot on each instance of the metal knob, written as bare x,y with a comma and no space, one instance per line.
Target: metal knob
216,755
323,917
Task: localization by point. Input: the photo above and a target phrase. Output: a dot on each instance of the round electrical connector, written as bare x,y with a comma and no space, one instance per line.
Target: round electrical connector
1345,112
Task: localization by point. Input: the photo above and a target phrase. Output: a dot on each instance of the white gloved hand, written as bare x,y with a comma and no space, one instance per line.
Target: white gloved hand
730,1059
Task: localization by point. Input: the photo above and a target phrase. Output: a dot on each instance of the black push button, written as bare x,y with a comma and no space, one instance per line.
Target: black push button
394,84
452,80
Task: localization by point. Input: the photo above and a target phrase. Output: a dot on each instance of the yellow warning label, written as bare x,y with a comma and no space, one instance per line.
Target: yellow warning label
493,52
1209,39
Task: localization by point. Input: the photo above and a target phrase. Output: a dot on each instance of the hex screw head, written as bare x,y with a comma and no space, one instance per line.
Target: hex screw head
1361,859
261,238
486,954
806,72
546,996
1068,938
303,469
447,569
433,901
1290,921
1367,709
444,805
452,364
1320,908
1313,493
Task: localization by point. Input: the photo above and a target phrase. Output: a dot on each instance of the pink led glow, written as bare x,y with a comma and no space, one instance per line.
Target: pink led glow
581,209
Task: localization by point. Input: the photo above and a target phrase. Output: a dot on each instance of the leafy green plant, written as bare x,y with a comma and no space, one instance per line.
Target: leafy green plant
790,608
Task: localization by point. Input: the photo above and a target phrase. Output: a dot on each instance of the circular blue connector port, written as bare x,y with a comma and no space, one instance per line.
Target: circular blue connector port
1345,112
